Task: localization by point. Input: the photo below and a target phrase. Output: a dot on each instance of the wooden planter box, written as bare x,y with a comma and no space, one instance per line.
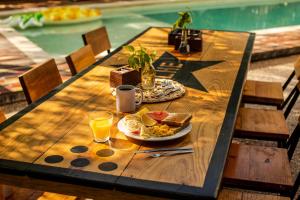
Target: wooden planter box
195,43
177,33
124,76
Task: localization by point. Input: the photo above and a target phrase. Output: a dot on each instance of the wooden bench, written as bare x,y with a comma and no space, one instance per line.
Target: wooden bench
269,93
265,124
230,194
261,168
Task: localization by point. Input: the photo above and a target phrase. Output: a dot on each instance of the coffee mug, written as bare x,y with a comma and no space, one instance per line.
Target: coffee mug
125,98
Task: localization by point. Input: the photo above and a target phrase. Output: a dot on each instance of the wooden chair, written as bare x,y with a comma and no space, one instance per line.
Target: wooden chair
98,39
2,117
265,124
262,168
269,93
40,80
80,59
231,194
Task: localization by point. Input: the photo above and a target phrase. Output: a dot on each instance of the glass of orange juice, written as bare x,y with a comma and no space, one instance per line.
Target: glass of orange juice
100,123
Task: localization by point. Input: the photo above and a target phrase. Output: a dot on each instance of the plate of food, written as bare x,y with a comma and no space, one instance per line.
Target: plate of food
155,125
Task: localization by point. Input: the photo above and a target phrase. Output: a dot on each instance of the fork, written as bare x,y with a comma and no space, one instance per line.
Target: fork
157,155
165,149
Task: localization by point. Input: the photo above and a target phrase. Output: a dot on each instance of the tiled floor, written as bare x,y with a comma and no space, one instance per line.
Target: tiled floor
273,43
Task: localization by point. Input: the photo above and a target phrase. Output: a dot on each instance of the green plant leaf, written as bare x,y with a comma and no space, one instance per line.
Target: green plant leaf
153,55
138,58
184,19
38,16
131,61
129,48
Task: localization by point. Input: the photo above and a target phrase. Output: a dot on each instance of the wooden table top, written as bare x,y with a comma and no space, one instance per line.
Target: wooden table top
51,138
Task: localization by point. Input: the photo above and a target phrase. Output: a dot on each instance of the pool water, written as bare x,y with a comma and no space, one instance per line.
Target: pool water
124,23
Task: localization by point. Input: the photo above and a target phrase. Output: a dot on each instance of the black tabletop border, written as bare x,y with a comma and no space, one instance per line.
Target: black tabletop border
212,181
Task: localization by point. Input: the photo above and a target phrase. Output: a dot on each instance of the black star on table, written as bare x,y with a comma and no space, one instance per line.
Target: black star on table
168,65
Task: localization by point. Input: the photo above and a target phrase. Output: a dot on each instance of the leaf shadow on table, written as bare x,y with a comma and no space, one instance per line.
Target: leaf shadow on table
122,144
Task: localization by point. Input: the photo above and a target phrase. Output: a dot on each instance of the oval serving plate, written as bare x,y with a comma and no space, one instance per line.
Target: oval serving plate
180,134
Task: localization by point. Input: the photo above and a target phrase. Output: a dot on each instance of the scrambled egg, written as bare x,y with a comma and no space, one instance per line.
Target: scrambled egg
157,131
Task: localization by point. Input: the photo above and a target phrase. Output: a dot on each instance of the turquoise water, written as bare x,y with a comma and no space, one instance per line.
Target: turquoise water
124,23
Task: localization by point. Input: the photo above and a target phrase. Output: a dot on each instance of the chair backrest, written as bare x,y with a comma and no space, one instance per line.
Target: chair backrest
80,59
296,187
2,117
293,140
291,99
40,80
297,68
296,72
98,39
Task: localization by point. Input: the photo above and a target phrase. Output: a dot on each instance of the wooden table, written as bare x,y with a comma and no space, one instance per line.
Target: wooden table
39,146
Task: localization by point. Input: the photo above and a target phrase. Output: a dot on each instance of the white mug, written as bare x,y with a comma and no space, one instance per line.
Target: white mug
125,98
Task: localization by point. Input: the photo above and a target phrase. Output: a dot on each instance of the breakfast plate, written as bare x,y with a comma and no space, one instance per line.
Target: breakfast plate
122,127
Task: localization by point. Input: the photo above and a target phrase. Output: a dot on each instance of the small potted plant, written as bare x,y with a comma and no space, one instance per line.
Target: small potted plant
184,19
142,60
185,39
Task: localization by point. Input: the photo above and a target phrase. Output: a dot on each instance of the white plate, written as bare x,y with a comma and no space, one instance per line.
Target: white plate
180,134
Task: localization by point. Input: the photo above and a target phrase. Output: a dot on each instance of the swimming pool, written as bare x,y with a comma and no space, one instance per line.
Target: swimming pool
124,23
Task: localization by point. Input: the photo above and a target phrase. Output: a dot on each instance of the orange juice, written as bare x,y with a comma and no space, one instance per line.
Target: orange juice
101,125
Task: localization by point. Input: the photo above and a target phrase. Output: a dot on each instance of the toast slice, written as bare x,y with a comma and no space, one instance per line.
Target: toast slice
177,119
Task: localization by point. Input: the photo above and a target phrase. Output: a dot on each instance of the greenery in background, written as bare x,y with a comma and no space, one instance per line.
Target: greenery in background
184,19
138,58
24,21
36,16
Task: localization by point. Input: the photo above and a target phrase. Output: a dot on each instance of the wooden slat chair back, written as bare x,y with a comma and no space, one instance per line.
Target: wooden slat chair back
231,194
296,72
263,168
296,187
80,59
98,39
266,124
270,93
40,80
297,68
258,168
293,141
291,99
2,117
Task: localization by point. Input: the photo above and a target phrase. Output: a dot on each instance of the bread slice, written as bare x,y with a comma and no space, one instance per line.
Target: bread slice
177,119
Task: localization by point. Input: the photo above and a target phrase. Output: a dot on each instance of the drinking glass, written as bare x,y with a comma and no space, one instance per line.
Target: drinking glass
100,123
